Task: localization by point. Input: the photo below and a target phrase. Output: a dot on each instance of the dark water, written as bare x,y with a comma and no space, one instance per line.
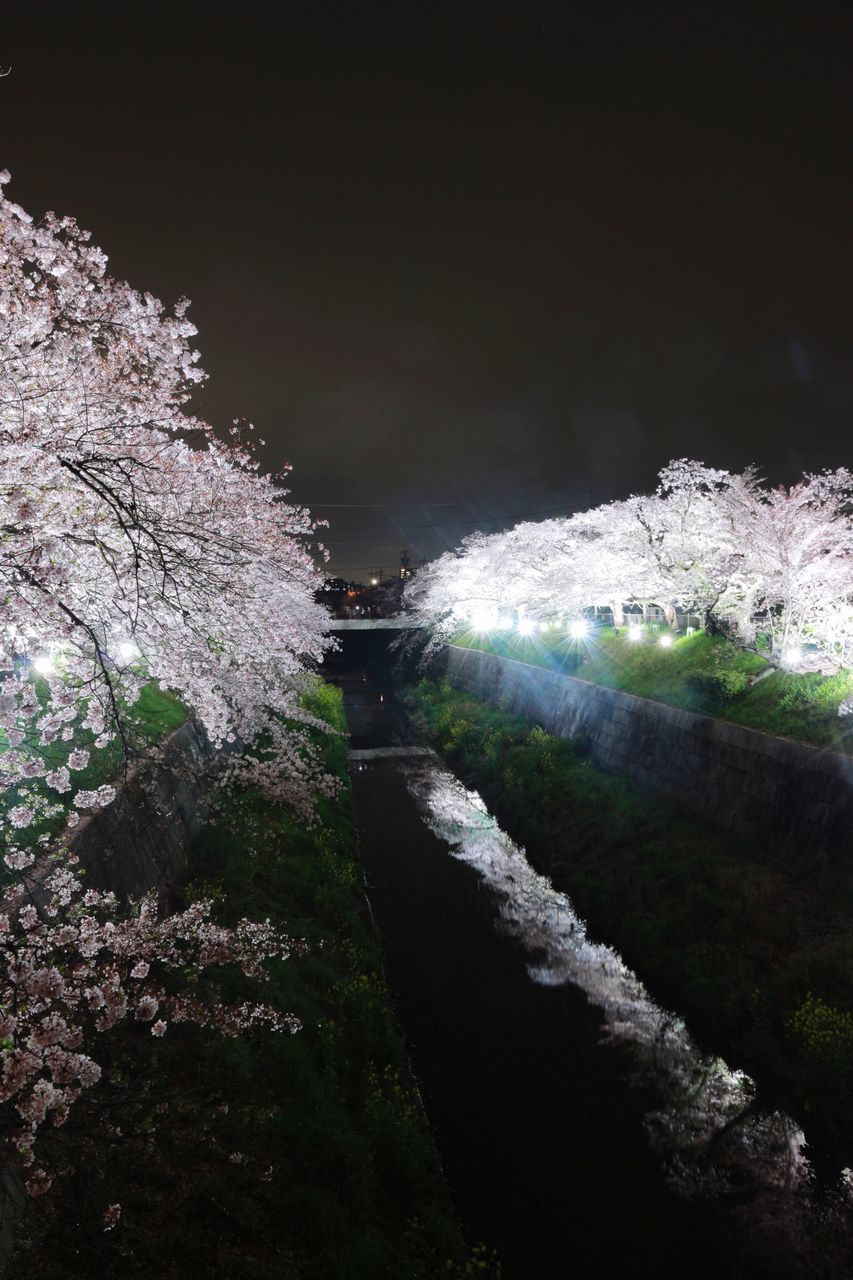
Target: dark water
540,1134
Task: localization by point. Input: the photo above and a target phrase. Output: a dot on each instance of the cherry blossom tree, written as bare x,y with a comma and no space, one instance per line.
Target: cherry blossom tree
721,544
136,547
798,551
77,969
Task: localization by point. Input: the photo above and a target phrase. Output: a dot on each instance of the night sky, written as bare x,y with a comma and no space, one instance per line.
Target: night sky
453,272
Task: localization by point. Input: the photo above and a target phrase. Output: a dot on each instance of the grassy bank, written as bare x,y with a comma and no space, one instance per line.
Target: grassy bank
303,1156
757,958
700,673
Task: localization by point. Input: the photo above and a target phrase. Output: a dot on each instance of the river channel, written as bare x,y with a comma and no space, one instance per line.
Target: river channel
571,1114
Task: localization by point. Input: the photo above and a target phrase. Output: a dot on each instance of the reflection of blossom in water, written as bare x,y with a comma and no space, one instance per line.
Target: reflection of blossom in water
706,1127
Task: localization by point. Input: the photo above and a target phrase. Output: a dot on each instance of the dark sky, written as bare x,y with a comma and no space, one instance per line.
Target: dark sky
500,262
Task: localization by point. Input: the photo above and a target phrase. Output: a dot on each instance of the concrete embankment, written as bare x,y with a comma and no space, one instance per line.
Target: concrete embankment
140,841
795,798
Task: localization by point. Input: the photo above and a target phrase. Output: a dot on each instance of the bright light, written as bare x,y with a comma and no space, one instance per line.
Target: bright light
483,619
526,627
503,622
579,629
127,650
665,641
791,657
44,664
635,634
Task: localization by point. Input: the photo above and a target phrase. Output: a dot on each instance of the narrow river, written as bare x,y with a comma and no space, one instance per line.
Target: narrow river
554,1086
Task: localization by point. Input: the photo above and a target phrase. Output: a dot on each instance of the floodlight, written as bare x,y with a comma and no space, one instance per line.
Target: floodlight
482,619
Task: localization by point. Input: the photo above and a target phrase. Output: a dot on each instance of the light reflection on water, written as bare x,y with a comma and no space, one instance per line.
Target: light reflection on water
705,1129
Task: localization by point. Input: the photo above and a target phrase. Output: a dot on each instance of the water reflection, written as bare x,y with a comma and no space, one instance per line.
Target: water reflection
706,1128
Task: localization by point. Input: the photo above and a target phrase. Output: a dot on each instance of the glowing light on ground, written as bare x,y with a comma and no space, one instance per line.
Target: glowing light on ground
579,629
792,657
526,627
665,642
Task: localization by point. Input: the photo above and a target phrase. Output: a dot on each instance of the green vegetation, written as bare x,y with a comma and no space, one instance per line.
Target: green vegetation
305,1156
701,673
757,957
156,713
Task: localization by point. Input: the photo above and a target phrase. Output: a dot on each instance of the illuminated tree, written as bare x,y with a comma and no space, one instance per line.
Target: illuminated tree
745,557
135,546
798,547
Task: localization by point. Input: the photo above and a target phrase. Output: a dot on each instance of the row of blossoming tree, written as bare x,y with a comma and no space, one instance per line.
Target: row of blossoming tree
136,546
769,567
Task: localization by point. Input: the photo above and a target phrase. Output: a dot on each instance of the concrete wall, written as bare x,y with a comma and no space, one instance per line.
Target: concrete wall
795,798
140,841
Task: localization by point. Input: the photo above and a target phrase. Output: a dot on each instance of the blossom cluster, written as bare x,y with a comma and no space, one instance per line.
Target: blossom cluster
137,545
76,967
742,555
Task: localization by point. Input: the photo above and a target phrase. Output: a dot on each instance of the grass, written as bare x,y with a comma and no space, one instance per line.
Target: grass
755,955
303,1156
701,673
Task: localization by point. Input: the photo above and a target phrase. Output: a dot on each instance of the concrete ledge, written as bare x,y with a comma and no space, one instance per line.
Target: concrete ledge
792,797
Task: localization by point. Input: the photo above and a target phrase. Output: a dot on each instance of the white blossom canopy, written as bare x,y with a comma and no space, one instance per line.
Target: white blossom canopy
746,557
135,544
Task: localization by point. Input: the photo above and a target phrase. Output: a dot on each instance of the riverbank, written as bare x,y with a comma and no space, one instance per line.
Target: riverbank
294,1156
699,672
758,959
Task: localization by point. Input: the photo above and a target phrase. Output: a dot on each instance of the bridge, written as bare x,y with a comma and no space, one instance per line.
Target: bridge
372,624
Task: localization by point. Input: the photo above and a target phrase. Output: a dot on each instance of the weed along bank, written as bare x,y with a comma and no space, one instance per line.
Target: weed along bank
794,797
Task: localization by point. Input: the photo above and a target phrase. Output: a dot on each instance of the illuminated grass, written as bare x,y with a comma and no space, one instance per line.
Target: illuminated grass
700,673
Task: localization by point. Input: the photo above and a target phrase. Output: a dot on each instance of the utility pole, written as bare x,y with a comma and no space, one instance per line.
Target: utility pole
404,564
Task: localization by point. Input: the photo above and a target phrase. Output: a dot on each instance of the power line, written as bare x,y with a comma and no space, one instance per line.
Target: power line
444,524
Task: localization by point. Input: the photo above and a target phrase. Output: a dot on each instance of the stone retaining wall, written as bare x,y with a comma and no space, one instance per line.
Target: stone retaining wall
795,798
140,841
